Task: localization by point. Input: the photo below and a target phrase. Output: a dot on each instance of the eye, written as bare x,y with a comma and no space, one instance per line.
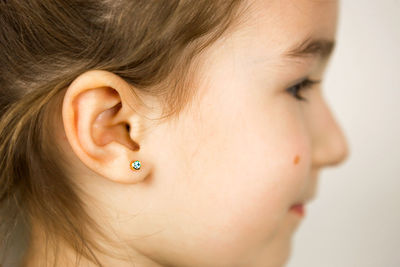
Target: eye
305,84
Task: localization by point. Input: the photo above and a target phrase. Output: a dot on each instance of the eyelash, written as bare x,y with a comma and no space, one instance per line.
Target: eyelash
305,84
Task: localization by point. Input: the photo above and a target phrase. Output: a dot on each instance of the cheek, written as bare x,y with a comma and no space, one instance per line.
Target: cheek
251,175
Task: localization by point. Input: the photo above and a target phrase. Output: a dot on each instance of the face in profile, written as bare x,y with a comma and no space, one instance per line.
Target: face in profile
250,147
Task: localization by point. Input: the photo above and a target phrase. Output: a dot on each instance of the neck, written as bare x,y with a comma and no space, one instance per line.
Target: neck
39,254
44,251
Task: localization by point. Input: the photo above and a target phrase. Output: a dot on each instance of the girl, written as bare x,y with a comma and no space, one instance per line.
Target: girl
162,133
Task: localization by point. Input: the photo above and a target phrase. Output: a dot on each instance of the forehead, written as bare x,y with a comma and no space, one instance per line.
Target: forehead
293,16
278,25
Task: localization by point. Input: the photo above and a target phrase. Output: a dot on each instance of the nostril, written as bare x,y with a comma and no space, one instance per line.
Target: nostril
128,127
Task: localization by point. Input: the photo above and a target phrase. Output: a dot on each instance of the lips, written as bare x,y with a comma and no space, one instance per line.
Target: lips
298,209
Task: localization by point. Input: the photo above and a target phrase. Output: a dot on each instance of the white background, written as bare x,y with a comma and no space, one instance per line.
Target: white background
355,218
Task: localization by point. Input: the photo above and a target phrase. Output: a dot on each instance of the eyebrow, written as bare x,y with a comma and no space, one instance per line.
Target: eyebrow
311,47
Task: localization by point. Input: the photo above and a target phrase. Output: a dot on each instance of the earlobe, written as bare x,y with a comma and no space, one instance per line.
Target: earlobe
102,129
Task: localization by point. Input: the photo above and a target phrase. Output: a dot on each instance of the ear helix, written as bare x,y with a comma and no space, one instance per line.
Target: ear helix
135,165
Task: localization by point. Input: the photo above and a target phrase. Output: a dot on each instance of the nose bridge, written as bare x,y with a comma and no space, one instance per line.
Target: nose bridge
330,145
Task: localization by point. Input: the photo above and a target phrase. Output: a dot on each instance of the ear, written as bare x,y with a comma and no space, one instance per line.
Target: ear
104,131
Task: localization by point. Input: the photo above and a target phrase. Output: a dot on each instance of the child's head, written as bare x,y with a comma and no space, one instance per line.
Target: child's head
206,94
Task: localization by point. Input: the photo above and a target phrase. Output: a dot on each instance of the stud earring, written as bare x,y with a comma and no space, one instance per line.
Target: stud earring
135,165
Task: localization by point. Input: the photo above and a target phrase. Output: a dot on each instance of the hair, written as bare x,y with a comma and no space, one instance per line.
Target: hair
44,46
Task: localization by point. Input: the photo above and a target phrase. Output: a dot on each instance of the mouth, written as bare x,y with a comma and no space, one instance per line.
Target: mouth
298,209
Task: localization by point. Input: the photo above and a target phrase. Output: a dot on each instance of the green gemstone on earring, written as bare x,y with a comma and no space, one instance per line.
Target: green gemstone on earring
136,165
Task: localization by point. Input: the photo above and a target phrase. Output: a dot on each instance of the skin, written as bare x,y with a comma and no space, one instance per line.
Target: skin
216,185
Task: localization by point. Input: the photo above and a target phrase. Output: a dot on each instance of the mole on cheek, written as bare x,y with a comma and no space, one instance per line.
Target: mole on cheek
296,160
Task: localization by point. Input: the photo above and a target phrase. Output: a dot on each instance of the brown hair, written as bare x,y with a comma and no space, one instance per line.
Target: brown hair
44,46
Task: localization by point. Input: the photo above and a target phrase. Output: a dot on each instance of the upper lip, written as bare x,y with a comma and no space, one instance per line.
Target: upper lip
303,202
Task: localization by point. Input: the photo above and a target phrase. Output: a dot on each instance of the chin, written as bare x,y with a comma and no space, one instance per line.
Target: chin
277,254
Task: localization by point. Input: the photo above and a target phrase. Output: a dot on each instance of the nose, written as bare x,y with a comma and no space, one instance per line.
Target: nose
330,145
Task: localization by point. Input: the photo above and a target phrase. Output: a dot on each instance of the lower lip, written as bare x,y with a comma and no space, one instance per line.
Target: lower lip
298,210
